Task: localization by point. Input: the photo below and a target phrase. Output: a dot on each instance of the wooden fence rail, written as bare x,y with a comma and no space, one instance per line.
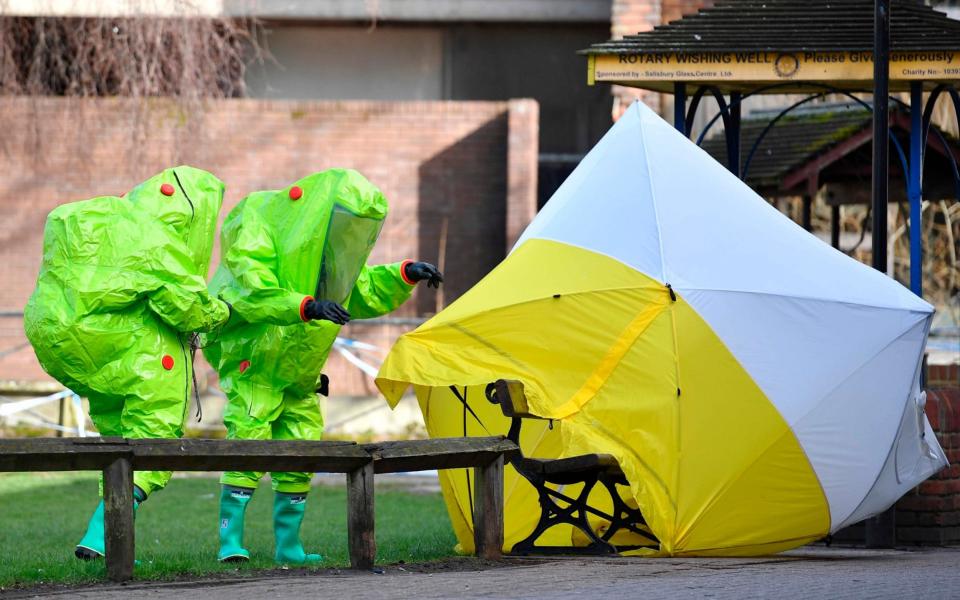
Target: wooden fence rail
118,458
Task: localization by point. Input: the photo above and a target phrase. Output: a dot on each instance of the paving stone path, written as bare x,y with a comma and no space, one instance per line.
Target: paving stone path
814,572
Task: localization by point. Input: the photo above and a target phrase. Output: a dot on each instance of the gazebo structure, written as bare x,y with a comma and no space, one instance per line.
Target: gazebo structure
826,147
818,48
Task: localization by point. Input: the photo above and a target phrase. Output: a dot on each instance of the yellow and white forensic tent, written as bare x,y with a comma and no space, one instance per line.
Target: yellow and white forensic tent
758,388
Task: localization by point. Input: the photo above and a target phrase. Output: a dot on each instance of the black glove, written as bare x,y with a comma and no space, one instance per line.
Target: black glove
419,271
326,311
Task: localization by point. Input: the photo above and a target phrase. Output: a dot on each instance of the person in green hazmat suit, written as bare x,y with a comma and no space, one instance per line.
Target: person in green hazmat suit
294,270
122,288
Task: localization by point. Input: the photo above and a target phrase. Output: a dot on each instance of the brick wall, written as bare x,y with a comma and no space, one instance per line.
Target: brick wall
444,167
524,127
671,10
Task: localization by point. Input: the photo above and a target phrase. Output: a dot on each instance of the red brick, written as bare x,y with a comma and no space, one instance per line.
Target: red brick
939,487
939,376
925,503
945,402
672,10
932,409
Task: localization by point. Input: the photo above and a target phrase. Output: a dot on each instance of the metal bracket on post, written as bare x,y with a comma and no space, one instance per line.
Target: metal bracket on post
118,519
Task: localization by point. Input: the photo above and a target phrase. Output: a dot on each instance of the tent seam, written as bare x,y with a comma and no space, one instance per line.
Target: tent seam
858,304
653,197
673,319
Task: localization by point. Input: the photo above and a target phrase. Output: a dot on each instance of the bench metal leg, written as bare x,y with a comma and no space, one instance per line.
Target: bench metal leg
488,510
625,517
118,519
575,513
360,528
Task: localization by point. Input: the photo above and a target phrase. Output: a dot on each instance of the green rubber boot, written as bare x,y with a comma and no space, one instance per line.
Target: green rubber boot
233,505
92,544
288,512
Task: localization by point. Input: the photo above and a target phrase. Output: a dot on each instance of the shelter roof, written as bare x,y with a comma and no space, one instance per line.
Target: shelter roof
793,26
778,46
829,140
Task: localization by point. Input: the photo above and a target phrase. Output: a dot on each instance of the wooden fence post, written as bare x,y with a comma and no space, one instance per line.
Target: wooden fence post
118,519
488,510
360,527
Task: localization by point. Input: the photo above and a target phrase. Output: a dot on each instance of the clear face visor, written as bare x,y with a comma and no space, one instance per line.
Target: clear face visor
350,239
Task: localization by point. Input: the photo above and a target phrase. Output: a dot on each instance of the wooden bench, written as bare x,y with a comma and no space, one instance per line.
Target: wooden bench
118,458
586,469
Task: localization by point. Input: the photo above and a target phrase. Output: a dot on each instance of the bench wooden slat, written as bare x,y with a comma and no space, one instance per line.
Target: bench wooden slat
439,453
81,454
59,454
248,455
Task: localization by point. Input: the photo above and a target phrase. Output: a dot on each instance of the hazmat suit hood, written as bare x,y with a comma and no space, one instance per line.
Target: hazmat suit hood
328,232
190,209
319,233
123,282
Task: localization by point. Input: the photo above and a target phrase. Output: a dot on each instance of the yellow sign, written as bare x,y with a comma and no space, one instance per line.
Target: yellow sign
770,66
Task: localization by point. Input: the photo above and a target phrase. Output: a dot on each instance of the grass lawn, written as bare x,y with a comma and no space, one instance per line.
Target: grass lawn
43,515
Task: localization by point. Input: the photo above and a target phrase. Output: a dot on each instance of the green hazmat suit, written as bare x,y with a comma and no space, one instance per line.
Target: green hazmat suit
122,286
281,249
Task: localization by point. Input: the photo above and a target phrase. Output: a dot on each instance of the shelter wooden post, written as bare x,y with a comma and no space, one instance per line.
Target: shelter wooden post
488,510
118,519
360,515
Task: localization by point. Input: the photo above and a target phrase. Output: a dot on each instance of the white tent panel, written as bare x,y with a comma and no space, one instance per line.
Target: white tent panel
798,350
849,434
717,234
605,204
